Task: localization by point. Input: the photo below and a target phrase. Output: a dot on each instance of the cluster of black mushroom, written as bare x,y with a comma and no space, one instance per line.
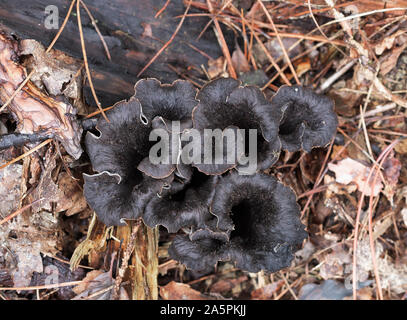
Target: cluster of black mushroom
252,220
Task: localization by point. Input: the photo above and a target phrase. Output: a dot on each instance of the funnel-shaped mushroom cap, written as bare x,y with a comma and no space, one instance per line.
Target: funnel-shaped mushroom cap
224,104
171,101
115,200
200,254
260,218
264,217
120,191
126,178
183,204
308,118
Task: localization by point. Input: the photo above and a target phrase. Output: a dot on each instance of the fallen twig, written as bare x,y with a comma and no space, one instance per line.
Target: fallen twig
19,139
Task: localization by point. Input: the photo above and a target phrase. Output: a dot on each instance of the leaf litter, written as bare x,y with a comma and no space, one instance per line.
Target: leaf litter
62,226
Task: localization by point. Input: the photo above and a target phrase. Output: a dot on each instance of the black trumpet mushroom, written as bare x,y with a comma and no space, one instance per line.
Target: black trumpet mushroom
223,104
199,251
126,180
308,119
258,226
184,204
228,212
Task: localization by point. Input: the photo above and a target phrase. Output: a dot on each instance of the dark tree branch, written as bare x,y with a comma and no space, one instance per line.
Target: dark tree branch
20,139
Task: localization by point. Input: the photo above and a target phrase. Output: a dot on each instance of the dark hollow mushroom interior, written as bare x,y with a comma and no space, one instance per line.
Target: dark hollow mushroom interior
258,226
308,119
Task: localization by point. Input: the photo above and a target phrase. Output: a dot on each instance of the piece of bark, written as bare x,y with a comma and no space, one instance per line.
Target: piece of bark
144,270
33,110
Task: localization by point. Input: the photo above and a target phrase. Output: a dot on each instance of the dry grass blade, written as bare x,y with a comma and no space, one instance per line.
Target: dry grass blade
319,177
162,9
308,37
167,43
90,115
222,42
17,91
280,42
269,56
331,80
85,59
213,18
363,124
26,153
97,30
320,28
289,286
380,159
62,26
359,15
371,239
17,212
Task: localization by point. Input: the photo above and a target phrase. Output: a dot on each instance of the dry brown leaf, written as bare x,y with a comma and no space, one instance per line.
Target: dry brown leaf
351,171
54,71
239,61
389,61
33,109
70,196
225,285
46,188
345,97
391,170
216,67
335,152
274,48
381,227
401,147
335,189
147,32
181,291
333,266
266,292
255,13
387,43
98,286
33,234
322,211
90,276
302,66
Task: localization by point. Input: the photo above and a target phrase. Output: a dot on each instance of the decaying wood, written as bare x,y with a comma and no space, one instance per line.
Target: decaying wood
144,267
132,34
139,257
95,240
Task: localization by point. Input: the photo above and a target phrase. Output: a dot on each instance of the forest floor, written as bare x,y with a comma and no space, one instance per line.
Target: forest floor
352,194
